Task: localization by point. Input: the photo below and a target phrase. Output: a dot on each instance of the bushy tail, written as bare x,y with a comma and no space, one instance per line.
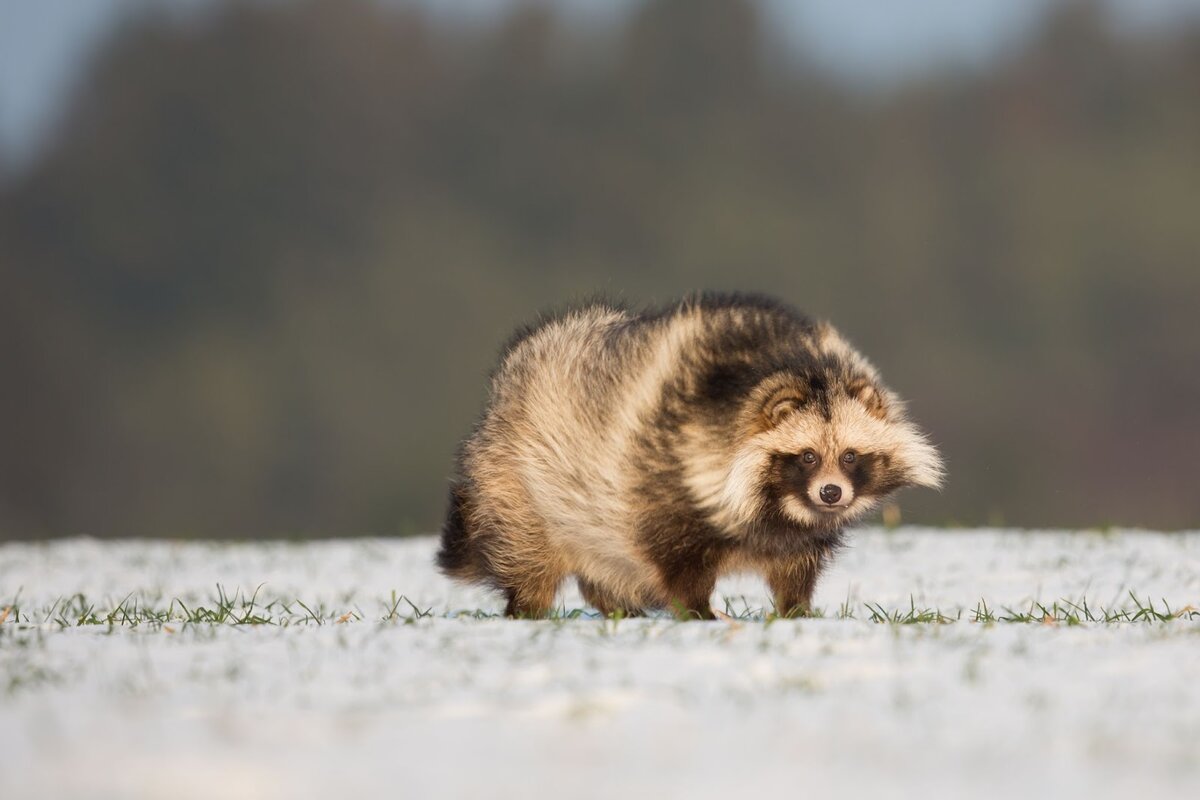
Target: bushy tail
457,557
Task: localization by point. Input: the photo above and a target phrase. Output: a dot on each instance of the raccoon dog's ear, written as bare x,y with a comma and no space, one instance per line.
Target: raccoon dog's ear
867,393
782,404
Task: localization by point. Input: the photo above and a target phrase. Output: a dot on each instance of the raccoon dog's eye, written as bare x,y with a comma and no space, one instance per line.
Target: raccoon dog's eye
808,457
849,457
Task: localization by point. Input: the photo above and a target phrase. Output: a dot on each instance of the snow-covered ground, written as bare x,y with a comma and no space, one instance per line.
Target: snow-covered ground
455,705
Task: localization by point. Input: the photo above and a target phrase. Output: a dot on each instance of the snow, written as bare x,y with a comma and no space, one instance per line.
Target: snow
459,706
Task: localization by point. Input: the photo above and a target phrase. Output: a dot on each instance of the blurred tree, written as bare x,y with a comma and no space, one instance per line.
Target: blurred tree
257,285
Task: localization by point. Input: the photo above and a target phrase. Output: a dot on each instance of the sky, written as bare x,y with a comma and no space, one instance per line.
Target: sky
45,45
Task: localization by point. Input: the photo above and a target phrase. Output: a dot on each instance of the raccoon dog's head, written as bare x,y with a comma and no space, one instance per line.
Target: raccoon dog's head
821,448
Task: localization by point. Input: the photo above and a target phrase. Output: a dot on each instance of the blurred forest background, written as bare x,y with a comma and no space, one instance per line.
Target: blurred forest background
254,284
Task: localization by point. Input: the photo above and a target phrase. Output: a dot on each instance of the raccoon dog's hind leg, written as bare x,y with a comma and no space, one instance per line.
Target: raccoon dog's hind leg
606,602
486,541
532,594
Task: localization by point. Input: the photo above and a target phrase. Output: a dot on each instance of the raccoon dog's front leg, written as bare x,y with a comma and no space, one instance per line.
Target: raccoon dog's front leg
792,581
529,578
688,566
530,600
606,602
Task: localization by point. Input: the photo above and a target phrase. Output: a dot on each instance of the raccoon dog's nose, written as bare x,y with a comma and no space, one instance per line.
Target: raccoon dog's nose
831,493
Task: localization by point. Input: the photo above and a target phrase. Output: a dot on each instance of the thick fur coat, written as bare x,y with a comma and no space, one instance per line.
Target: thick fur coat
646,454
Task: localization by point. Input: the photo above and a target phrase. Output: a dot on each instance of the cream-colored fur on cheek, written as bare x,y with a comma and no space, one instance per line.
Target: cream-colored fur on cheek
924,464
794,507
741,499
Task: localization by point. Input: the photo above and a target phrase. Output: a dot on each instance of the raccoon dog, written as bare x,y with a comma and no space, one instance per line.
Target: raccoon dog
647,454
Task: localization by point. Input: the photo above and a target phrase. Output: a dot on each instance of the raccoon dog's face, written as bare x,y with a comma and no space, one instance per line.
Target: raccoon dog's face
821,450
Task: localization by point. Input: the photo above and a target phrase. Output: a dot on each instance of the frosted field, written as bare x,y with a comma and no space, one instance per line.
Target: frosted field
335,685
